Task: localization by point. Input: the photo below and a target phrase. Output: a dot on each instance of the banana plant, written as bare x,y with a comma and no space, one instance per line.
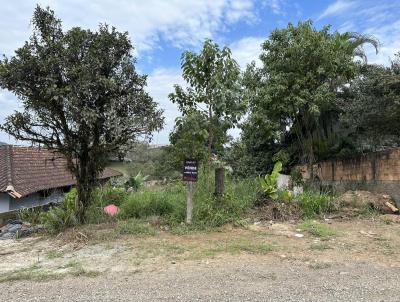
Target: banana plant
269,183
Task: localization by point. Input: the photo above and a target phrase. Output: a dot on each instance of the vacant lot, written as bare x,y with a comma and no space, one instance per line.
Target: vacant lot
334,261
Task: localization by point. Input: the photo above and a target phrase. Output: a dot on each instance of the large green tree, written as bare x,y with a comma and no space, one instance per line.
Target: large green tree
371,107
212,97
81,95
293,93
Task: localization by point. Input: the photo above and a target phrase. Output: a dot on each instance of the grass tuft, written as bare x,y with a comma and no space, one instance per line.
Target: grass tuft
135,227
53,254
317,228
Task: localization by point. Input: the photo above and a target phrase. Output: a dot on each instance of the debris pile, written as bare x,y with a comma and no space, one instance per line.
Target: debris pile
16,229
362,199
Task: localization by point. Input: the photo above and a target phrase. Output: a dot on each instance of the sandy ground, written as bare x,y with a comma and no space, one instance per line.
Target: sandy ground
264,262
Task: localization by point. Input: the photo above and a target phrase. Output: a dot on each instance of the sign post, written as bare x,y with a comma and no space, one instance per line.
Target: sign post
189,174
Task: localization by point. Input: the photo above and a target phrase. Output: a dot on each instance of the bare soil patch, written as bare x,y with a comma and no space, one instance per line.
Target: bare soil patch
262,261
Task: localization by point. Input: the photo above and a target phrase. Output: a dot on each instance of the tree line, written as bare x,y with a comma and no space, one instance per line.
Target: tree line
313,96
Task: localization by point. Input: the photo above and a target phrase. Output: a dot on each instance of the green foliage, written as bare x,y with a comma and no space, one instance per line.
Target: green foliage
313,204
158,163
293,96
102,197
169,202
80,94
30,215
285,195
317,228
136,182
189,137
211,104
63,216
269,182
371,110
297,177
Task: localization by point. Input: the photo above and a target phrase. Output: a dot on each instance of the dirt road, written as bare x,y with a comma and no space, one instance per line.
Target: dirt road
263,263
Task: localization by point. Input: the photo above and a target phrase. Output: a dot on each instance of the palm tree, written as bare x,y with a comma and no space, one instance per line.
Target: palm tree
354,43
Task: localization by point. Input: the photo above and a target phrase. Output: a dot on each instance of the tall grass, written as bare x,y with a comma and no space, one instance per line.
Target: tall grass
167,202
63,216
208,211
313,204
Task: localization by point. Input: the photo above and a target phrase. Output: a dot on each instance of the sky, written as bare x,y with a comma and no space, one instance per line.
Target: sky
161,30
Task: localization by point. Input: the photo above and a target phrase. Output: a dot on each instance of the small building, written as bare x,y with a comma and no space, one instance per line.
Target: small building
31,177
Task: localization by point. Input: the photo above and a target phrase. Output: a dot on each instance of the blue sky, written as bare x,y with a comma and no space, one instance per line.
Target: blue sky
162,29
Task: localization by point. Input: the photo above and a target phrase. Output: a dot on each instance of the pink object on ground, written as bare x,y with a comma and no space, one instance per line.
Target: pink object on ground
111,209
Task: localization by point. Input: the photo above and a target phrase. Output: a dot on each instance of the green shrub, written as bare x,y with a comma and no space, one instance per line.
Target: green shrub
269,182
285,195
313,204
63,216
297,177
152,202
136,182
101,198
110,195
30,215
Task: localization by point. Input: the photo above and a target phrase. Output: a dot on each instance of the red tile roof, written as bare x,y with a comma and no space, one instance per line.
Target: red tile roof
25,170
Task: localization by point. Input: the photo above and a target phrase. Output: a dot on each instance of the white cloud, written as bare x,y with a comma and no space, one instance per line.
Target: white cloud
389,37
275,5
379,19
337,7
246,50
179,22
8,105
160,84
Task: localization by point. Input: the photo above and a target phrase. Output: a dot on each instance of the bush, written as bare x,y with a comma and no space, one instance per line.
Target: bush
110,195
63,216
136,182
153,202
30,215
101,198
313,204
270,181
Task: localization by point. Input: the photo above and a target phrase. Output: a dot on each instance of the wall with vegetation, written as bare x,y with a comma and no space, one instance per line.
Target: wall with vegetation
377,171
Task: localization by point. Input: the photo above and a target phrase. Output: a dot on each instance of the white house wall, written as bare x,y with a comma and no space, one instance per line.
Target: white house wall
35,200
4,202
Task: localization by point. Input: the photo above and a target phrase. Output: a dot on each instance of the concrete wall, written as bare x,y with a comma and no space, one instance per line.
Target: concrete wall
4,202
376,172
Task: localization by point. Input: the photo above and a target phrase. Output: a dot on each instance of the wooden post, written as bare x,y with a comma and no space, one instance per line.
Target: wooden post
189,202
219,181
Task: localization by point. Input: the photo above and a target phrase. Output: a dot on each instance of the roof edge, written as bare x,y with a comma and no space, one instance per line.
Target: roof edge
11,191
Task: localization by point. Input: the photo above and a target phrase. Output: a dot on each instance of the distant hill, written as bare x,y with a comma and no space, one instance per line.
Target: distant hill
1,144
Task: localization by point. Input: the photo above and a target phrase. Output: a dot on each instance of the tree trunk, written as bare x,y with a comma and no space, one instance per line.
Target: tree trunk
219,181
84,193
85,181
210,142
